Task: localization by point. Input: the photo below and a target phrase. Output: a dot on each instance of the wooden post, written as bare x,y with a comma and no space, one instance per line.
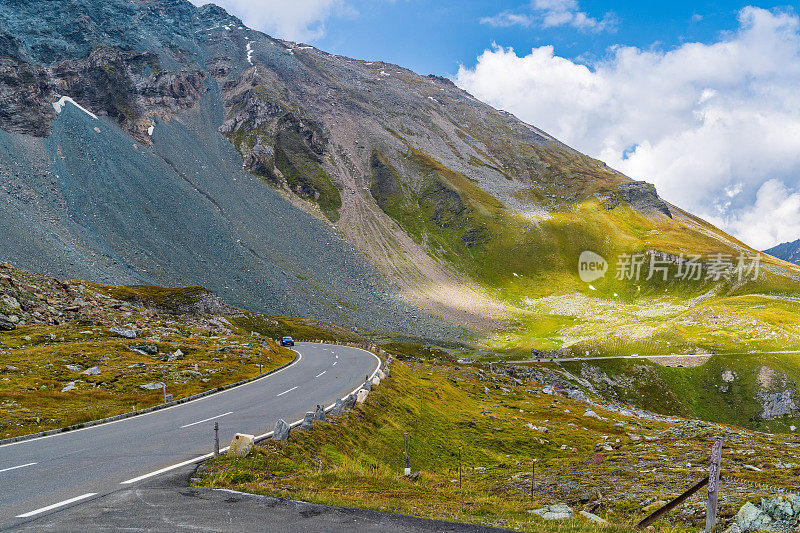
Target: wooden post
216,438
408,468
713,484
533,471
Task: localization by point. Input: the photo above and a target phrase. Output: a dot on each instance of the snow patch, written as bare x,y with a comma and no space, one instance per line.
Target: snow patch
434,99
305,47
150,129
384,73
59,104
250,52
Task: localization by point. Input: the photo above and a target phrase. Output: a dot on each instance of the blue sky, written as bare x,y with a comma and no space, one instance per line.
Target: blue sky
435,37
699,98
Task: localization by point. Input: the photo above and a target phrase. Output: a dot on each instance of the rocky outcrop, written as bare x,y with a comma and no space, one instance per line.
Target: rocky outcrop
775,404
641,196
772,514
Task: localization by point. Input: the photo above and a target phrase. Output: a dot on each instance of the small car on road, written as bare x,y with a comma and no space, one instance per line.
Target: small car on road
287,341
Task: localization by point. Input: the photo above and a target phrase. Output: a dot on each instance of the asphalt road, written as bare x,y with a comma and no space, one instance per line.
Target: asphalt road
49,474
167,504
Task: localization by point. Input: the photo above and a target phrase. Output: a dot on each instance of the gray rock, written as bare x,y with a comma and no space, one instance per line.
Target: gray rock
10,302
319,414
152,386
70,386
144,349
338,407
558,511
177,356
591,414
349,402
6,324
367,385
136,365
548,390
74,368
593,517
93,371
122,332
773,514
309,418
281,431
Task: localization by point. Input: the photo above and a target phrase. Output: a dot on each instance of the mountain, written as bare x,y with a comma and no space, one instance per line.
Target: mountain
788,251
156,142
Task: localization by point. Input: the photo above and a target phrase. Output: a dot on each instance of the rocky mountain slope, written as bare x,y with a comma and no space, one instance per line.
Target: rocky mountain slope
788,251
185,148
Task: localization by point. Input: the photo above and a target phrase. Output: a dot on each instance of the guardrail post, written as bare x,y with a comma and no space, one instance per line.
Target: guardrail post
713,484
408,468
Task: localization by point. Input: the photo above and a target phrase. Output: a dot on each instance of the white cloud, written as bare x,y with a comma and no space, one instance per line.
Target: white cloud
710,124
553,13
301,20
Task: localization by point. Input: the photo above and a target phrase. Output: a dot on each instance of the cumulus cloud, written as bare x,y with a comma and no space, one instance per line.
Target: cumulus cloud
553,13
302,20
715,126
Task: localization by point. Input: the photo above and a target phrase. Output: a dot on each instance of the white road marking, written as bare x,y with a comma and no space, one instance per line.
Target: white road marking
19,466
57,505
334,363
173,467
286,391
318,375
206,420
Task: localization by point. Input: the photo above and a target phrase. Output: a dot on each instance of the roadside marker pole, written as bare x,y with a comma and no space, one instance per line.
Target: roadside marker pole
533,471
713,484
164,390
216,438
408,468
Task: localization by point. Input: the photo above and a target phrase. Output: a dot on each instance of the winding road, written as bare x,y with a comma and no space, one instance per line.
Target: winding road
48,474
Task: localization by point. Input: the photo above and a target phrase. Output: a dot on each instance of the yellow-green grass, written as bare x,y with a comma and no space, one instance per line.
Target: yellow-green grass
476,468
33,370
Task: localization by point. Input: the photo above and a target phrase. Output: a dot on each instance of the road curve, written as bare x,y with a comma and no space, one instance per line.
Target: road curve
44,475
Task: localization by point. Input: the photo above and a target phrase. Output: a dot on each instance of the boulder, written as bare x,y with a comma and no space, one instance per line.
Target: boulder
558,511
307,420
6,324
122,332
144,349
241,445
319,414
593,517
361,397
773,514
376,381
591,414
281,431
381,374
93,371
152,386
176,356
70,386
74,368
367,385
349,402
338,407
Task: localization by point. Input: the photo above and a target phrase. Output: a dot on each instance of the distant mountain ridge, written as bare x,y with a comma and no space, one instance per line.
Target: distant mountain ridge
788,251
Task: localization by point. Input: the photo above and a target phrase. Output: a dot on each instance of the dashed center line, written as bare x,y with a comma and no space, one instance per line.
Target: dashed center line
334,363
206,420
18,466
318,375
286,391
57,505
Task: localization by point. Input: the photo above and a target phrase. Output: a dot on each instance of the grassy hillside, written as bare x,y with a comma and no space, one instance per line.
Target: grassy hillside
473,437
